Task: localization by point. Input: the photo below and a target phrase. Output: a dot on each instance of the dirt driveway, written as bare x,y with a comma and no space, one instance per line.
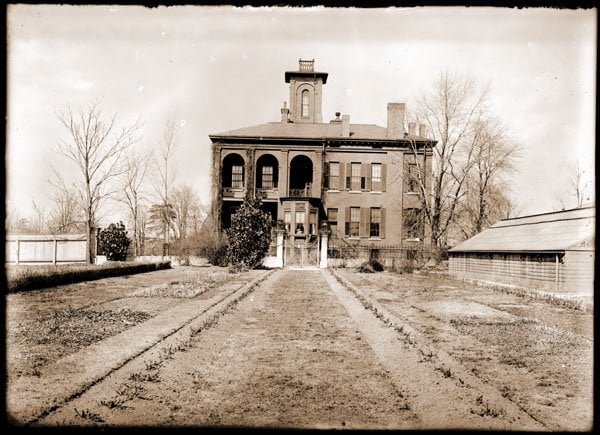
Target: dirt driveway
316,349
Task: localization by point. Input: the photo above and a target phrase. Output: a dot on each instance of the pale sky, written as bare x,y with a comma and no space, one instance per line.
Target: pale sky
221,68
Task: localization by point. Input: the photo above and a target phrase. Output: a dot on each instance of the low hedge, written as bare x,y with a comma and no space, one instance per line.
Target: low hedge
33,279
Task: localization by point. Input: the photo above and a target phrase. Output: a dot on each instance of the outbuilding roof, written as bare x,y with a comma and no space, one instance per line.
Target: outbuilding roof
331,130
549,232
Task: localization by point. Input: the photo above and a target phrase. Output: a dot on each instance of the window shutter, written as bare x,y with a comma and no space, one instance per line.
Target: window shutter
382,224
383,177
347,219
364,222
348,176
363,176
325,184
369,177
342,176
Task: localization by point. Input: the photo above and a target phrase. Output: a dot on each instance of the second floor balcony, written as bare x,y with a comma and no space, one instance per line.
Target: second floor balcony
233,192
303,192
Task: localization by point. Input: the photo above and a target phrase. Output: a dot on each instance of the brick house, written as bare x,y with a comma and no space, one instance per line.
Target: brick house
355,183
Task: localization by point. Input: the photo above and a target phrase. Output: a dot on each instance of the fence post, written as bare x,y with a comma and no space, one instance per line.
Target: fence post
55,249
18,250
324,240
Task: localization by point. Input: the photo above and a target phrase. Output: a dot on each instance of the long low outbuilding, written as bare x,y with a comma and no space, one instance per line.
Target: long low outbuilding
553,252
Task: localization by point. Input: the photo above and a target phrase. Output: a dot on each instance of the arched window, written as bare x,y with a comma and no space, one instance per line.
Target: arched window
267,172
304,111
233,171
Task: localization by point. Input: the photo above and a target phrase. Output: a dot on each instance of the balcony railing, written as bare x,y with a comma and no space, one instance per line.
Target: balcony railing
267,193
233,192
307,65
306,192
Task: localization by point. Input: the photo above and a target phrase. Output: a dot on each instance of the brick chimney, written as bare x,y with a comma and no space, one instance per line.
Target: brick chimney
345,125
285,113
412,128
422,130
395,120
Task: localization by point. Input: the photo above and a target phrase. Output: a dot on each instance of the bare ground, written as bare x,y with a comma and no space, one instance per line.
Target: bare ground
302,351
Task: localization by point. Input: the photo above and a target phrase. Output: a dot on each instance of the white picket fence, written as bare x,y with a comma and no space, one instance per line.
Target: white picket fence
45,249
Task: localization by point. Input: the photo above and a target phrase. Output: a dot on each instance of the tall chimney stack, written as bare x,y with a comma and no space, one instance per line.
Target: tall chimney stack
345,125
422,130
395,120
412,128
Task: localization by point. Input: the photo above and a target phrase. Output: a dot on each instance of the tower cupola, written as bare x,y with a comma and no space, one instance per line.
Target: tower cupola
306,92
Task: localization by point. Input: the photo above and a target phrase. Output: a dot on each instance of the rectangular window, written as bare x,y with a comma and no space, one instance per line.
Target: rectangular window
312,222
300,216
267,177
375,221
376,172
413,177
354,221
355,177
237,177
332,216
334,175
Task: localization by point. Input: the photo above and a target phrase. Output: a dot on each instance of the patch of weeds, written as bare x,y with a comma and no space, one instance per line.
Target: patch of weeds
75,327
115,403
399,329
152,365
86,414
131,392
514,361
506,392
544,383
447,372
485,410
167,352
145,377
429,355
124,394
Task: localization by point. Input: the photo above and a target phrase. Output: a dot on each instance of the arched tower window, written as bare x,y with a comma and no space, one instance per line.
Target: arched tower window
304,111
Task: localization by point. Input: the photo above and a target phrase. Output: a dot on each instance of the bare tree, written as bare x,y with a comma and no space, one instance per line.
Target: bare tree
165,178
133,196
577,191
453,111
96,145
16,223
486,201
39,218
66,215
190,212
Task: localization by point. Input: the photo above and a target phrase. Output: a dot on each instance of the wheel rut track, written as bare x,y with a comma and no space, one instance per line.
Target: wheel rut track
53,403
413,337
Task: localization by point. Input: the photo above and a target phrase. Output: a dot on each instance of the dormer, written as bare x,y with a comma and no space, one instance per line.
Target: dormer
306,92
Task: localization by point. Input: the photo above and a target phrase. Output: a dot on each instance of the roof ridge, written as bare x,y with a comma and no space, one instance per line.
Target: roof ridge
539,222
549,213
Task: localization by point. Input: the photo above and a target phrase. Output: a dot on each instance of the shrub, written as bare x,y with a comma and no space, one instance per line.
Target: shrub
249,235
113,242
38,277
216,252
376,265
371,266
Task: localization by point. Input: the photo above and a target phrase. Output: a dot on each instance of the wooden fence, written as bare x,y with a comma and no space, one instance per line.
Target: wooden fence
45,249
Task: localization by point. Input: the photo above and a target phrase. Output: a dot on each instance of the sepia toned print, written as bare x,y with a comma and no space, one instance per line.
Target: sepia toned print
300,218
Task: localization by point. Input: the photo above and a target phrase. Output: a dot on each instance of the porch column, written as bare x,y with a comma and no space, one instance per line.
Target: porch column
280,234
